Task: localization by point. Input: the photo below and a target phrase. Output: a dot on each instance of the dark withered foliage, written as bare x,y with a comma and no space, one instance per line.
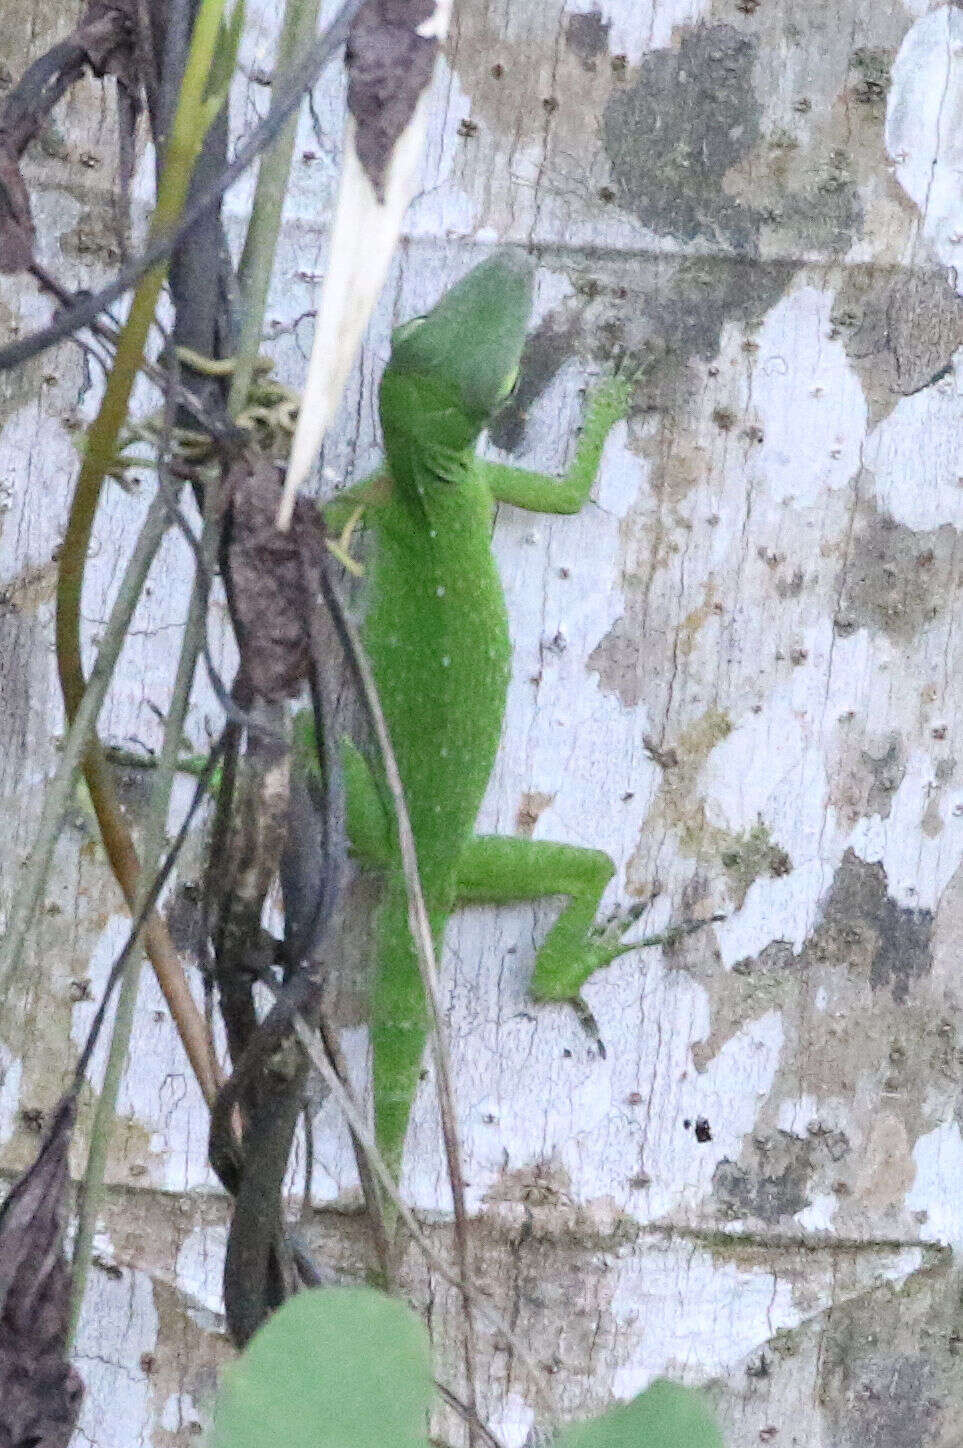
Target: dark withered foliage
274,578
389,65
40,1393
103,42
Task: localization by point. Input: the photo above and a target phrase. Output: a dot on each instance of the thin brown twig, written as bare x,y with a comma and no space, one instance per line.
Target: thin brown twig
463,1410
331,774
425,951
139,921
105,327
369,1187
454,1277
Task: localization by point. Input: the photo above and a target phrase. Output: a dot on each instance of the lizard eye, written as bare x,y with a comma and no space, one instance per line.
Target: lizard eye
406,329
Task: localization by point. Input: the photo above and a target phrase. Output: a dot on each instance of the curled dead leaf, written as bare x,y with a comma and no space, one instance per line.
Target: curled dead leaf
40,1393
389,65
274,577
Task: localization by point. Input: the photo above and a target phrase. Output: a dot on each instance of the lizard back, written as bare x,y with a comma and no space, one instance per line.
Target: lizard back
437,635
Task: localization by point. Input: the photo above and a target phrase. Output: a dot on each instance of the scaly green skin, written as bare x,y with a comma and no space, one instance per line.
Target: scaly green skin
436,631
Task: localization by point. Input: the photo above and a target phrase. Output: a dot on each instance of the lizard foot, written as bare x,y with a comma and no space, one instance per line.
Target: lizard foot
607,942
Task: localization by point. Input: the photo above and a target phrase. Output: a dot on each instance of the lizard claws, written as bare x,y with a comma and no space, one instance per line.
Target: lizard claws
621,919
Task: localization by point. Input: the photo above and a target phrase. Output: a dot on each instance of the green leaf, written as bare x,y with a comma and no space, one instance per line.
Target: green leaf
337,1367
666,1415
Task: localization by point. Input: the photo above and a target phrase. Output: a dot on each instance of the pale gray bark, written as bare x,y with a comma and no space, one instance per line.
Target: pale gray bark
737,670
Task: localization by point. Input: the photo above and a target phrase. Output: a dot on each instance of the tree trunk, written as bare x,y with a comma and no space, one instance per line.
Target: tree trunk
736,670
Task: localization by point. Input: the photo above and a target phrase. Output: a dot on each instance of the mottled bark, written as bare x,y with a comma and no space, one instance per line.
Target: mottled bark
737,670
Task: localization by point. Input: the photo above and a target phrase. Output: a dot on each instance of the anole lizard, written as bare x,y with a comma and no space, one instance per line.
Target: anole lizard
436,631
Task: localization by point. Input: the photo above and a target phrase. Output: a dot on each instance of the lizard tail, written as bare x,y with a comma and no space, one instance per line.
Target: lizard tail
399,1022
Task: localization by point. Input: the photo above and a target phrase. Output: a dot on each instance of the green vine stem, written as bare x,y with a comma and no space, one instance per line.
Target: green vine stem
92,1192
196,108
59,791
260,243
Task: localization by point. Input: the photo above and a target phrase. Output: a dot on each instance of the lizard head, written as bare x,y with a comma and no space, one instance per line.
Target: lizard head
459,363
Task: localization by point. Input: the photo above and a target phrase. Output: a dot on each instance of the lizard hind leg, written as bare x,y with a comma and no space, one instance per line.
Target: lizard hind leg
495,869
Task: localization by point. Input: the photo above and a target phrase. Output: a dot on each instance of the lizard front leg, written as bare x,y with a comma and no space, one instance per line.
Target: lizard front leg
542,493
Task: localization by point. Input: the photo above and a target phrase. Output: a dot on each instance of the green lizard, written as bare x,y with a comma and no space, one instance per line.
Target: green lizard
437,635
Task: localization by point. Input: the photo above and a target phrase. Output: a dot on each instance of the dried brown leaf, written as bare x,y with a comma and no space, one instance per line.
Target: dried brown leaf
40,1393
104,41
107,33
273,599
389,65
